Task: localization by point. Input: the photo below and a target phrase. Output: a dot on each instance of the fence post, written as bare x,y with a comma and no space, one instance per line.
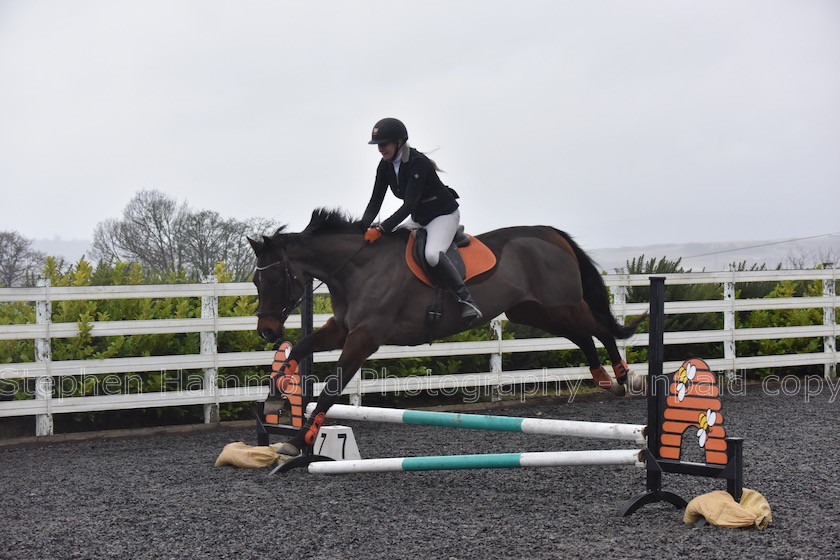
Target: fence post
496,361
830,320
729,325
355,398
620,310
43,355
210,310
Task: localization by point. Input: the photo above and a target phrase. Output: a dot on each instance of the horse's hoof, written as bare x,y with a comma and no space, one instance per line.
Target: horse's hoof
285,451
605,382
617,389
636,383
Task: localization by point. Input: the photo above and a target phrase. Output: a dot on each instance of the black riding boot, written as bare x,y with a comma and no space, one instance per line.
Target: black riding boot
446,274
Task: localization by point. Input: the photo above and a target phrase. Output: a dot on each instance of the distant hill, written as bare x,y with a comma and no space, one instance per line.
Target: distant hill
711,257
71,249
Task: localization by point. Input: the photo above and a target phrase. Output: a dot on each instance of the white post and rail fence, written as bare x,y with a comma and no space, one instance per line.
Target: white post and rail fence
46,375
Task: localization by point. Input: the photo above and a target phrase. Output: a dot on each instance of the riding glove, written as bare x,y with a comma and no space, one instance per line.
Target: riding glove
373,234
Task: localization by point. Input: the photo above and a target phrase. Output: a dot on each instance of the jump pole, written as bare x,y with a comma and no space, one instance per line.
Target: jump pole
599,430
635,457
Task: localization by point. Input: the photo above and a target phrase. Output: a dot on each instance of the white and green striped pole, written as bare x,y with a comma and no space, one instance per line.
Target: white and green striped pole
601,430
489,461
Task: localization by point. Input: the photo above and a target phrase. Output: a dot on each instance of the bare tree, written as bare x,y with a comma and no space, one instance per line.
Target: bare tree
167,237
204,240
209,239
148,233
19,262
800,259
240,257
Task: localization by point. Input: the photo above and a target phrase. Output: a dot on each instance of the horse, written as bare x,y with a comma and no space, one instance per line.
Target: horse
541,278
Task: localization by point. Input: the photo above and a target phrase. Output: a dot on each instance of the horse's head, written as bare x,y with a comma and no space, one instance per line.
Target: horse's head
278,289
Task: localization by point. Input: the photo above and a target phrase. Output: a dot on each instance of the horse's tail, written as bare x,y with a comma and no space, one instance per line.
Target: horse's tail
595,293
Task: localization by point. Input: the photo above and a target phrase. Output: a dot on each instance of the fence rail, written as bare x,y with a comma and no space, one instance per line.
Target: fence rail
47,373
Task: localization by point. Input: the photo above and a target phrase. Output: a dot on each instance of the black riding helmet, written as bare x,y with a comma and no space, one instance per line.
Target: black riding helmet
388,130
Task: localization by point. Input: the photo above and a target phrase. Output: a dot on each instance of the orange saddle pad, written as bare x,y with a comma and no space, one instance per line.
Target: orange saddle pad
478,259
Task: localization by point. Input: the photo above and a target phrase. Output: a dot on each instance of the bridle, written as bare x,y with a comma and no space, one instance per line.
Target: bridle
288,296
291,277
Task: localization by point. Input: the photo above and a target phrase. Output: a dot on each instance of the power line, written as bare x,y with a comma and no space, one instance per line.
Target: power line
761,245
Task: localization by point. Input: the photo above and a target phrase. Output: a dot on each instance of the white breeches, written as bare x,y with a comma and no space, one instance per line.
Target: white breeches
439,234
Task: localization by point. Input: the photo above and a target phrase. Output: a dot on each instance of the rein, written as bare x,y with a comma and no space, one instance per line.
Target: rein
290,276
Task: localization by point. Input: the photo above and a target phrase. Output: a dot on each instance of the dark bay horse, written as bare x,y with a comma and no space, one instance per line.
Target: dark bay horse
541,279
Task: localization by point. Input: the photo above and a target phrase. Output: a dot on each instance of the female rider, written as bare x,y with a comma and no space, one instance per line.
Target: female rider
413,178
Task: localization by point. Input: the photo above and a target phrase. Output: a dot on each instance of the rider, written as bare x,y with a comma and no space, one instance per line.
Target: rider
413,178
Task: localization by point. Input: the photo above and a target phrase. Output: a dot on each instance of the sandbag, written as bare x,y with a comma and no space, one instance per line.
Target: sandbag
757,504
240,454
720,509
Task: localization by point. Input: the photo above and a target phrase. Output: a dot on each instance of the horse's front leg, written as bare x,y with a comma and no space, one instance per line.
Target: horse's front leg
358,345
329,337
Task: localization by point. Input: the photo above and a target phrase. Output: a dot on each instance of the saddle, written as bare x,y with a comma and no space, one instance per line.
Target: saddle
469,255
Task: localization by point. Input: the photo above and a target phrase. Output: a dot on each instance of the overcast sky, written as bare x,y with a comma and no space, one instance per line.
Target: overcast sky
623,123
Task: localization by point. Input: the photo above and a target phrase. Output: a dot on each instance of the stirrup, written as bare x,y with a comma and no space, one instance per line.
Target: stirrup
470,312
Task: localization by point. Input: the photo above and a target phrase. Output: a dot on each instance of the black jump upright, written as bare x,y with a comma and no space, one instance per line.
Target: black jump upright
658,384
307,316
307,381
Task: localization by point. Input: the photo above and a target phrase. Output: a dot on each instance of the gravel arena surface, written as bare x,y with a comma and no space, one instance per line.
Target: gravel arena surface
161,497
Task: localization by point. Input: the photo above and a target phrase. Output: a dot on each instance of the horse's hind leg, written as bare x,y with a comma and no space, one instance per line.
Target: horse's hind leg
596,369
618,364
622,371
575,323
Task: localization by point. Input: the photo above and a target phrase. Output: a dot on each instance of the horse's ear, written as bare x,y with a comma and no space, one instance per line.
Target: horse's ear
257,246
272,246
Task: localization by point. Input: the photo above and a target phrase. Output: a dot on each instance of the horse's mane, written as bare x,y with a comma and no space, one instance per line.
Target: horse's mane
325,221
